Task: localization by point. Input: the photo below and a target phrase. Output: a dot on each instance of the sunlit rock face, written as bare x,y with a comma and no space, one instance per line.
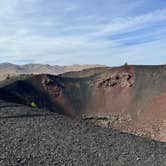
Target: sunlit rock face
117,80
129,98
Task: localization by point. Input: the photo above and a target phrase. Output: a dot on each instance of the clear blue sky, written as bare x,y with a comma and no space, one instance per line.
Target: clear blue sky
68,32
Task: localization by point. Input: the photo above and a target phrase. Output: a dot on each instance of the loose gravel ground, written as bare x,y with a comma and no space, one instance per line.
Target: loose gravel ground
34,137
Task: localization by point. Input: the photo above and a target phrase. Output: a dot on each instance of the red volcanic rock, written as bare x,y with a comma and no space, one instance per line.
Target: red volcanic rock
51,87
54,90
117,80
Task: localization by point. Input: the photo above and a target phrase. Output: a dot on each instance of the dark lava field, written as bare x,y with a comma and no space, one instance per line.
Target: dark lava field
34,137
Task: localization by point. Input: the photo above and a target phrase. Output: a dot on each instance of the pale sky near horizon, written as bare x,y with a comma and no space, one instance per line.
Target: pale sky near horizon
64,32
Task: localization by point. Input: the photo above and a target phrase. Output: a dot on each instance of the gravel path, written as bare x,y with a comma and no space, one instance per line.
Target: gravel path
36,137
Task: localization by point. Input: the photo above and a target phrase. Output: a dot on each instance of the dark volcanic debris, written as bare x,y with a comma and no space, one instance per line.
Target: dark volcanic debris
30,136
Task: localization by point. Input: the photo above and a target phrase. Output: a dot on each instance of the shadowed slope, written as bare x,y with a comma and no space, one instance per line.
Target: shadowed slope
58,94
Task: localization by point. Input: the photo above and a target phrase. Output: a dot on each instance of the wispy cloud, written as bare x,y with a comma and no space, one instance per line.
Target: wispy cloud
77,31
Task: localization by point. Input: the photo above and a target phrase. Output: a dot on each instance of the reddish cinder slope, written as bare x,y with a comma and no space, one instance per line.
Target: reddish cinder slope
132,99
129,98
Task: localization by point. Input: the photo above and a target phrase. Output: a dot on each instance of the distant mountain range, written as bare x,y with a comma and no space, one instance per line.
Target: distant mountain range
8,69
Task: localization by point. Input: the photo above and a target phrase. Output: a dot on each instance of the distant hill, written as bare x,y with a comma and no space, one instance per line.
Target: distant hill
12,69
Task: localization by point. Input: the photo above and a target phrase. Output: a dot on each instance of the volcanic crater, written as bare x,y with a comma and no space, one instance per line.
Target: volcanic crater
128,98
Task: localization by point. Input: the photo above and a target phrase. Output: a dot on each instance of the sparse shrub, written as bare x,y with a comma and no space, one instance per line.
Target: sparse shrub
33,104
125,64
8,77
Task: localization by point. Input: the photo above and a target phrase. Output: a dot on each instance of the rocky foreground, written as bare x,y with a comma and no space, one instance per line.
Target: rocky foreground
29,136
